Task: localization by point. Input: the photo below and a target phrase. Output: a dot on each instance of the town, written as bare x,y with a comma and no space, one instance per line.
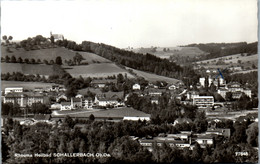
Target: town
129,82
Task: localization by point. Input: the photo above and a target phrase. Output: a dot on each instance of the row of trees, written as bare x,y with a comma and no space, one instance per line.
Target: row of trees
216,49
13,109
13,59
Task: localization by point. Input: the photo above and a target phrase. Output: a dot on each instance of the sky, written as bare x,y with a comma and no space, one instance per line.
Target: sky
134,23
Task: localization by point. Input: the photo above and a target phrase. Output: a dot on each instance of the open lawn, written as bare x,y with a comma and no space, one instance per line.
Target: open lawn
34,69
52,53
25,85
96,70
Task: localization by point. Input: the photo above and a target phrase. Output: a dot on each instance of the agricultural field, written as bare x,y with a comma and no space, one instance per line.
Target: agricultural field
231,59
34,69
173,51
236,60
52,53
25,85
153,77
96,70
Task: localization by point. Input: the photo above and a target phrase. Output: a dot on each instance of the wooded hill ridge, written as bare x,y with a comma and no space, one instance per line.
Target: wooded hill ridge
224,49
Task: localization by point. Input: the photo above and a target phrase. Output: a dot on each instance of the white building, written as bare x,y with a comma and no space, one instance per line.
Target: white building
66,106
13,89
202,81
136,87
203,101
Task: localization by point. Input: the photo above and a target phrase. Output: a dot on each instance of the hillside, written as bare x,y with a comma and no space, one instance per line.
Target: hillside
51,54
166,52
96,70
28,69
246,61
225,49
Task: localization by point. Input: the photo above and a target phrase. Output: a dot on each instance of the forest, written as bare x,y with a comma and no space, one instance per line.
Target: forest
114,139
225,49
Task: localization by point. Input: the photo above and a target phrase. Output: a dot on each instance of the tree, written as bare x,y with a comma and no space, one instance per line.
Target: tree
13,59
91,117
19,60
58,60
7,59
229,96
4,37
78,58
39,108
69,121
252,135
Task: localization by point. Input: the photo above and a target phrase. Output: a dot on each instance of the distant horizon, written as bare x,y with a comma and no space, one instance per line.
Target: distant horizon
133,23
146,47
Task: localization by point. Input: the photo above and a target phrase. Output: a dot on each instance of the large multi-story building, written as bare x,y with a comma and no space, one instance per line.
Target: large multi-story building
13,89
24,99
203,101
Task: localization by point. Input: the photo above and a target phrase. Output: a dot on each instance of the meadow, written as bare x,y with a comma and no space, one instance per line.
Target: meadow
96,70
52,53
173,51
27,68
153,77
231,60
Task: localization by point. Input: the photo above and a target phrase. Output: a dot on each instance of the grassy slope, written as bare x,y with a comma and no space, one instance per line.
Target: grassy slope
175,51
153,77
52,53
103,69
27,68
96,70
247,61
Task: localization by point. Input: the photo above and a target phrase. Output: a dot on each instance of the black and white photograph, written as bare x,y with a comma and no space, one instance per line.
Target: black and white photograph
132,81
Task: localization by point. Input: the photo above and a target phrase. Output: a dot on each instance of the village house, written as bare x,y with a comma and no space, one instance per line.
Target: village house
191,94
182,120
87,103
136,87
172,87
66,106
76,103
102,100
102,83
61,97
204,140
155,99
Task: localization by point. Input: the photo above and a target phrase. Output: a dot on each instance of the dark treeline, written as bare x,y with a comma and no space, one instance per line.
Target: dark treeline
148,62
113,139
225,49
